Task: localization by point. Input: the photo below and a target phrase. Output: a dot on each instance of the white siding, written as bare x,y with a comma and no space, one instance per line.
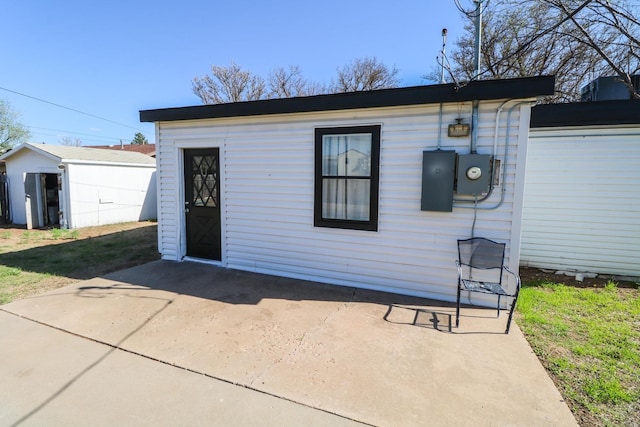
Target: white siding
91,194
106,194
582,200
267,172
18,165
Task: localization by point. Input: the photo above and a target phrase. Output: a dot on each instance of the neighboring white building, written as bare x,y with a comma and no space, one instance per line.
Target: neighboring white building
258,186
582,198
79,187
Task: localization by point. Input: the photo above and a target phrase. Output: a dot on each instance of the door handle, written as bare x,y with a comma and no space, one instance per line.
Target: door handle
186,210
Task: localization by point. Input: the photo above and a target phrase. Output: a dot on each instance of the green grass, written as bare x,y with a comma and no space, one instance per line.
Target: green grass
589,341
16,283
39,261
63,234
27,236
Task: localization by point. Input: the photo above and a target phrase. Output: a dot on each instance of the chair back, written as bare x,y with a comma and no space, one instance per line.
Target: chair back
481,253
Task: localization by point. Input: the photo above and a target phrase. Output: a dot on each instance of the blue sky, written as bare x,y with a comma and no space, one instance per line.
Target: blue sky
112,59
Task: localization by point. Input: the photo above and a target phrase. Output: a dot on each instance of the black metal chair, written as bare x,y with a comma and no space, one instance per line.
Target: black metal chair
480,269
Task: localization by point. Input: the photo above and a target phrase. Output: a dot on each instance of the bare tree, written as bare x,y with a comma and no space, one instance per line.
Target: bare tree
12,131
365,74
286,82
613,32
315,88
576,41
228,84
70,142
233,84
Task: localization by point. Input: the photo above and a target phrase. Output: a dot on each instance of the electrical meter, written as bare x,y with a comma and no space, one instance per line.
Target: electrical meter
474,171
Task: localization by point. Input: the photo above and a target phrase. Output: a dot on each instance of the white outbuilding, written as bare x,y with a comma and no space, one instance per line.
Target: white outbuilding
367,189
582,198
77,187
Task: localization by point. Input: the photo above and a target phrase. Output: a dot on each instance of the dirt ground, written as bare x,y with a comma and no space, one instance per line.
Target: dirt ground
11,234
536,275
50,258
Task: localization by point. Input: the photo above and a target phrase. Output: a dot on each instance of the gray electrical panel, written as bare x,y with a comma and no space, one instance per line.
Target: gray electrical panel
438,180
474,174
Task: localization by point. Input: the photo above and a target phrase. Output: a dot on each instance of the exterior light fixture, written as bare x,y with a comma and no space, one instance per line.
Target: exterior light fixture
458,129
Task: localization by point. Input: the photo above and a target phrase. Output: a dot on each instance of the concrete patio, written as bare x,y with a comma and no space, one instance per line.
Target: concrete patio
193,344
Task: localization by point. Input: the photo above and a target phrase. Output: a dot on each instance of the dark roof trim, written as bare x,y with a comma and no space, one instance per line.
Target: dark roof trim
586,114
477,90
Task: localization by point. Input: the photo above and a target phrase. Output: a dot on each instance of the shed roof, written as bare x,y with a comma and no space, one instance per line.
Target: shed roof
623,112
148,149
66,154
417,95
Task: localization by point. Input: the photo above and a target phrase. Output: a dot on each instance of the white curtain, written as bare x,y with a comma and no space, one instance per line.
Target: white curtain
346,171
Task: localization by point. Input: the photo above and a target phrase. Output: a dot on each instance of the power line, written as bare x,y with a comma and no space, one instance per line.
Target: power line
84,140
541,34
70,109
75,133
474,14
525,45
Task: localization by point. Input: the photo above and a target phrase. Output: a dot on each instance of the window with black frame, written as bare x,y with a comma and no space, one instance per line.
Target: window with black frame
347,161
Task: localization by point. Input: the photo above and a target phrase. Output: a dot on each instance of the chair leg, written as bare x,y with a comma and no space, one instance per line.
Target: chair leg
458,306
513,306
498,306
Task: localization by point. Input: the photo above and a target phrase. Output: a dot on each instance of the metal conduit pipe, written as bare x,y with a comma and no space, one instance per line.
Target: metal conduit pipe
440,127
504,167
475,200
473,144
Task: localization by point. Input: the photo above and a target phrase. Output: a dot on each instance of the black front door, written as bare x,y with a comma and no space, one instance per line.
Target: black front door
202,203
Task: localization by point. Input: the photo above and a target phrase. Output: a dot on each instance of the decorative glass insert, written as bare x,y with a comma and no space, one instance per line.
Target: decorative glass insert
205,181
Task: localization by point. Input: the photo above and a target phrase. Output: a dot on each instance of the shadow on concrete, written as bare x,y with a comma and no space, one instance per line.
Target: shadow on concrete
82,373
247,288
319,355
242,287
425,318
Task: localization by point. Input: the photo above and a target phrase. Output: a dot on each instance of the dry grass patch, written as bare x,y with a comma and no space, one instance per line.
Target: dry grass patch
35,261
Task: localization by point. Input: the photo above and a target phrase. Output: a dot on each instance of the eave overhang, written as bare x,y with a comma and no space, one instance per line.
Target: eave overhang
521,88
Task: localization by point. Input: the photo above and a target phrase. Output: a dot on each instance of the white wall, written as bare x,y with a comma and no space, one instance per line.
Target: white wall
582,200
106,194
267,173
18,165
92,194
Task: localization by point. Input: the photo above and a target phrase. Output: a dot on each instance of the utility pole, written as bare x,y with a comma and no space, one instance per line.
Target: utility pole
476,72
477,38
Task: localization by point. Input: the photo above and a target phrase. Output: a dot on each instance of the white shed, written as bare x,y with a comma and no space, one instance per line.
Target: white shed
79,187
582,198
355,189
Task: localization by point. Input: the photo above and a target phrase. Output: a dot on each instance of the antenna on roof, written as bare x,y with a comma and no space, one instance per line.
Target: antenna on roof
443,54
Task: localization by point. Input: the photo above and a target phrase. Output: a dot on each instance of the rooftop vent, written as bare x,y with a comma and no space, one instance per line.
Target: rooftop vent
608,89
